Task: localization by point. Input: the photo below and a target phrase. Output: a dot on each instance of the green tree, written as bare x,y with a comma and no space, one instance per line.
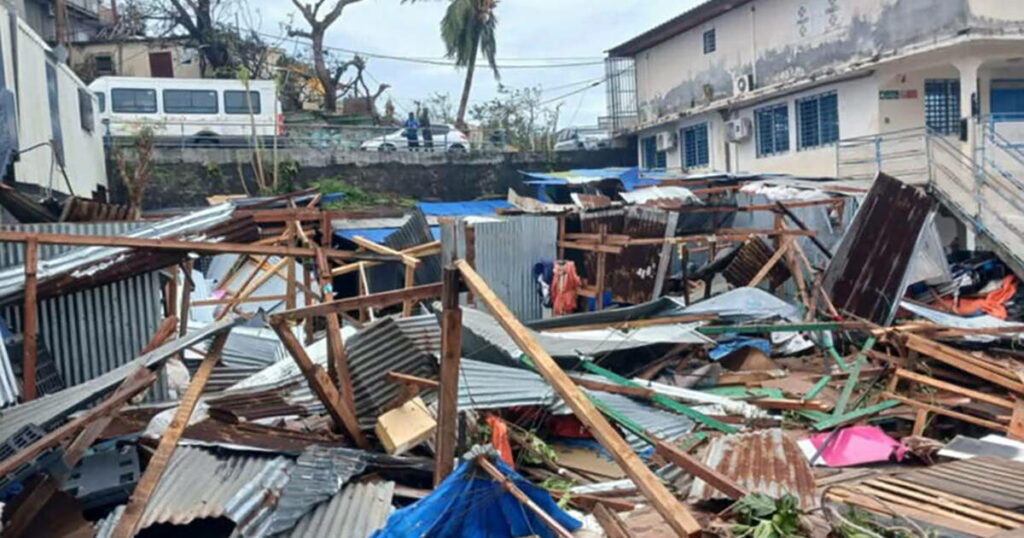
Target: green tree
468,28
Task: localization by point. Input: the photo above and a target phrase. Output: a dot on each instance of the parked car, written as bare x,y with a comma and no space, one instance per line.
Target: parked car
444,136
582,138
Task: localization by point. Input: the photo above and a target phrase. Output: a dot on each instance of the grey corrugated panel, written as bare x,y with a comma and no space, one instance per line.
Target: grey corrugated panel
356,512
505,253
14,253
662,424
423,330
48,411
415,231
9,390
373,352
12,278
318,474
199,484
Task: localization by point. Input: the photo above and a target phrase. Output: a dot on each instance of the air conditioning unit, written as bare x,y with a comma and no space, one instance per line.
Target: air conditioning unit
738,130
666,140
743,84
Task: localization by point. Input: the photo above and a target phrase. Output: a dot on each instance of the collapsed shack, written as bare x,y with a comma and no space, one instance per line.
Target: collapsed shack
624,355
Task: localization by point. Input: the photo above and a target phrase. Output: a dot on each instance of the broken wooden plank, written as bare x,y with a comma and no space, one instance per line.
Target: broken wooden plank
634,324
343,416
786,404
958,359
854,415
674,512
30,345
613,526
510,487
337,360
126,526
374,300
697,468
770,264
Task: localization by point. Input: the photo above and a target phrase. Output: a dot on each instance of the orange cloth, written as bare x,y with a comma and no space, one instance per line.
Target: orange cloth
991,304
564,283
499,439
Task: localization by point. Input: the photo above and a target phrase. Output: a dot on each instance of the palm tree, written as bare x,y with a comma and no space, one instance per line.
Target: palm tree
466,29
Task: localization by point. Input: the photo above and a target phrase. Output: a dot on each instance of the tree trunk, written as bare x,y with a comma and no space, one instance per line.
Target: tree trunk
322,73
460,121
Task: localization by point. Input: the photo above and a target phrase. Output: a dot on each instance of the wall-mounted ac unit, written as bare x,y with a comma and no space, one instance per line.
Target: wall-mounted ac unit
666,140
738,130
743,84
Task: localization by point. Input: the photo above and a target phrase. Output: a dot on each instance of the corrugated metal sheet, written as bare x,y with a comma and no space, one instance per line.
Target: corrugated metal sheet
637,275
415,231
91,332
986,479
505,253
373,352
356,512
765,462
424,331
83,260
318,475
868,273
9,390
662,424
50,410
748,261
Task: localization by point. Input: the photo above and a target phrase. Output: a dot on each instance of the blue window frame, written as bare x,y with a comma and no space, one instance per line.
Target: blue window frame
710,42
1007,99
653,159
817,120
772,124
942,105
695,145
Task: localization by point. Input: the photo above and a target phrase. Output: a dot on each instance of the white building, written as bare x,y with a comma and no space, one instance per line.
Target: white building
47,116
773,85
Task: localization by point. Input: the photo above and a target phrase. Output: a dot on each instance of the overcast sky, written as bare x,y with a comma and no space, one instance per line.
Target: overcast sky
528,30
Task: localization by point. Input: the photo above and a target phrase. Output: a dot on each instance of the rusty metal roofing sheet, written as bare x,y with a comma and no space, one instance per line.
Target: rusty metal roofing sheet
356,512
637,275
749,259
867,275
764,461
50,410
84,260
987,479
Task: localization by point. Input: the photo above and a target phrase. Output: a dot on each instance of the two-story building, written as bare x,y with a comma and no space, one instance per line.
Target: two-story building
773,85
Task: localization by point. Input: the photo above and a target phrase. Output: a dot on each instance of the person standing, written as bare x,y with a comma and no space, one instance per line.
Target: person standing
412,128
428,133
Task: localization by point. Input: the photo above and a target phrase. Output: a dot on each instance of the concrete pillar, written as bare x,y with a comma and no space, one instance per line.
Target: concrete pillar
969,68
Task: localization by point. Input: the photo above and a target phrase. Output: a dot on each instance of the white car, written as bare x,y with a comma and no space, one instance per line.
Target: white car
444,137
581,138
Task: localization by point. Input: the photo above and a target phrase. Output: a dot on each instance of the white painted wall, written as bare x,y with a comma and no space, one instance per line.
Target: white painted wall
83,150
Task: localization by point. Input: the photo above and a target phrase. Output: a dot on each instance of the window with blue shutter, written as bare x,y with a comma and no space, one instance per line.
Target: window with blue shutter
817,120
652,158
772,124
695,145
942,105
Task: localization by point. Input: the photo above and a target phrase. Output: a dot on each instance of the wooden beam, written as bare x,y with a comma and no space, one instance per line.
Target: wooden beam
344,417
126,526
374,300
697,468
636,392
410,282
259,299
956,389
30,347
451,357
591,247
770,264
337,359
947,412
958,359
785,404
634,324
188,246
406,379
420,251
674,513
112,403
510,487
381,249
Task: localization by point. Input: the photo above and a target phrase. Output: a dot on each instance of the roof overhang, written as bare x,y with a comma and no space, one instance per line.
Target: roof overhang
667,30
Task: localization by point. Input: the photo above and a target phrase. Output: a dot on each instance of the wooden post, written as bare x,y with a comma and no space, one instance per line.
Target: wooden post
186,298
171,297
602,267
561,237
337,361
30,330
307,280
675,514
344,417
451,357
410,282
168,442
291,278
684,259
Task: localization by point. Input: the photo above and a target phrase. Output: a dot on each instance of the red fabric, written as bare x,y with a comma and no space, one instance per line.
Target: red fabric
568,426
991,304
499,439
564,284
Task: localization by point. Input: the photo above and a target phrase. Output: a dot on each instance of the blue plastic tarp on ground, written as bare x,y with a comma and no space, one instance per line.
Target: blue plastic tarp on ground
463,209
380,235
728,346
470,504
631,178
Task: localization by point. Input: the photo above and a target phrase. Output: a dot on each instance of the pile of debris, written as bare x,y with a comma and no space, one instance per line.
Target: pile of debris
768,356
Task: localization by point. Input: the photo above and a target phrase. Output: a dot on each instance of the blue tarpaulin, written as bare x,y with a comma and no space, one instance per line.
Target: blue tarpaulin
463,209
470,504
380,235
728,346
631,178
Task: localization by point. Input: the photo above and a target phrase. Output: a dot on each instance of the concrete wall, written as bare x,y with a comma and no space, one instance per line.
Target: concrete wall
784,40
186,178
132,59
83,150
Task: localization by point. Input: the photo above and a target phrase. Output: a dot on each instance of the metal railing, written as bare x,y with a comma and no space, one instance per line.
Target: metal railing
985,189
243,134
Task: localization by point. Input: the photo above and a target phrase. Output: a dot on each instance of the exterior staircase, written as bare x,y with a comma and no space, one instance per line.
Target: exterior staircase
985,190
